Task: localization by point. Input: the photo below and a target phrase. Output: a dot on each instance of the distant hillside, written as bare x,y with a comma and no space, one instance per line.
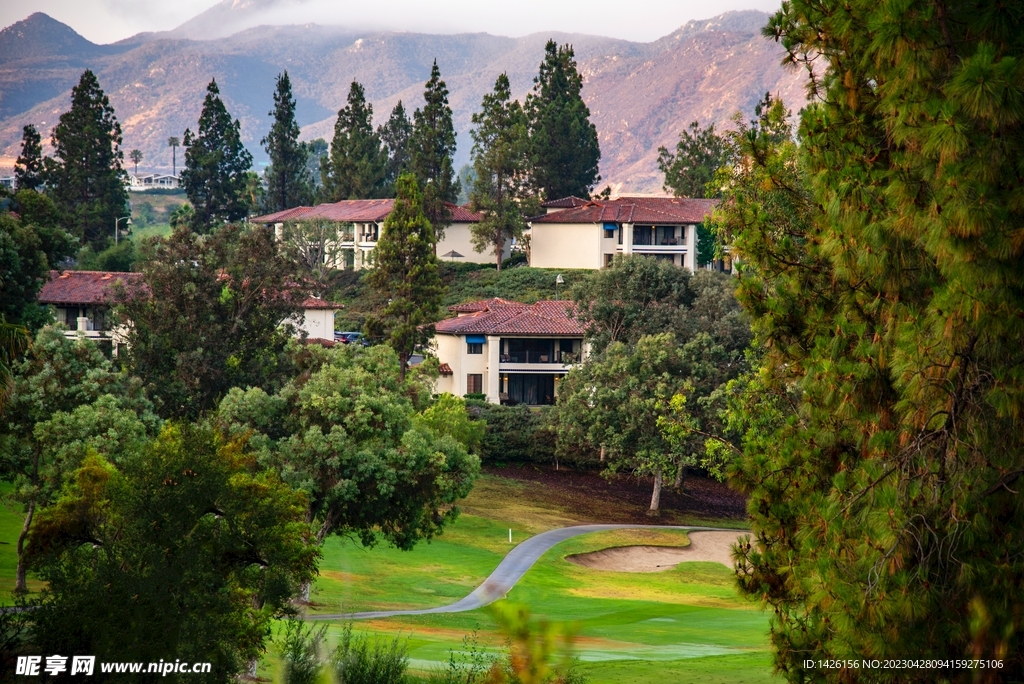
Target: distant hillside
641,95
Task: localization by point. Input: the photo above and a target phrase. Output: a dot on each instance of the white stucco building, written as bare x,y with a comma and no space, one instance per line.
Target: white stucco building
578,233
363,225
511,352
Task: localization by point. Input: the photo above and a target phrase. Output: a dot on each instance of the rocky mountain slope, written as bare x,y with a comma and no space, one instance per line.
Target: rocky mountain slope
641,95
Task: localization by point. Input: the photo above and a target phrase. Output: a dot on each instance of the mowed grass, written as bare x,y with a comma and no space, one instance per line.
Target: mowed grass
687,624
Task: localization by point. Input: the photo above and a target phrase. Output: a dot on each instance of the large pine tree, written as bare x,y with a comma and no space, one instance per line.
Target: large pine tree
395,134
85,176
406,273
28,169
431,150
357,163
881,261
501,162
287,179
216,166
565,146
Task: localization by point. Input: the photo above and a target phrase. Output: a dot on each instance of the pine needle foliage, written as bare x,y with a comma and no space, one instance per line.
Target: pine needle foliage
287,178
880,261
28,169
431,149
357,163
406,271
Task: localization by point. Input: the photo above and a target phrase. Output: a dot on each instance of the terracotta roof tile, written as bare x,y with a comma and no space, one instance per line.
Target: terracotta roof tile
83,288
503,317
317,303
445,369
651,210
374,210
564,203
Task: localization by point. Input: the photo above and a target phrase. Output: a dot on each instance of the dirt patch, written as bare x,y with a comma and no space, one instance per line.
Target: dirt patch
588,497
704,546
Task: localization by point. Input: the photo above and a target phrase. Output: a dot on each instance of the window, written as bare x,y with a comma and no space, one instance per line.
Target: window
609,259
643,235
474,348
609,230
474,383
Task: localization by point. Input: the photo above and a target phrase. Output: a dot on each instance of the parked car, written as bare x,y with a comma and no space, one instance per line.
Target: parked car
350,338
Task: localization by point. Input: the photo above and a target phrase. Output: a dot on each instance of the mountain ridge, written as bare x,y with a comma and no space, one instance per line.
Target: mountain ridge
641,95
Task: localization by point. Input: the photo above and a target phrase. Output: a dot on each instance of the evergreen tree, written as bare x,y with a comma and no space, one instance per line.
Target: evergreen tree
288,183
84,176
216,166
699,153
881,261
357,163
431,150
406,273
501,162
565,147
395,135
28,169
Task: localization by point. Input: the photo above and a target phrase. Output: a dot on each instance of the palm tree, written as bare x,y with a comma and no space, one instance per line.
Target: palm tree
174,144
14,340
136,157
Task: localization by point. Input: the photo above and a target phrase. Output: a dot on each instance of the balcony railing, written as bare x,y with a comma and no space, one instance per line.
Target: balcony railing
540,357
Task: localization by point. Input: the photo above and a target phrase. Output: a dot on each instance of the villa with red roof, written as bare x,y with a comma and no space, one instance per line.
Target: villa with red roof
364,224
512,353
578,233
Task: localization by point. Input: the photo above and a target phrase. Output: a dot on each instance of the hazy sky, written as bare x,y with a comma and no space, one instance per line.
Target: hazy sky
105,21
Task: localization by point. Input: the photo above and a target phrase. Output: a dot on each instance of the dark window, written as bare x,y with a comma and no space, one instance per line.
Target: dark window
474,383
609,259
643,235
532,389
474,348
665,235
609,230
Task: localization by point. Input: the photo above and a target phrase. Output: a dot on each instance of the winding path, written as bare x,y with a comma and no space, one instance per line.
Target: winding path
511,569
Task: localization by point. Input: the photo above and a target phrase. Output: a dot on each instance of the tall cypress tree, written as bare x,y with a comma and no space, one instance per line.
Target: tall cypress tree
288,183
357,163
881,261
395,135
406,272
28,169
501,161
565,146
85,177
216,166
431,149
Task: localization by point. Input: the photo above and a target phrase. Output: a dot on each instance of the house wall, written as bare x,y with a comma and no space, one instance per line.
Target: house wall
459,237
566,245
319,324
451,349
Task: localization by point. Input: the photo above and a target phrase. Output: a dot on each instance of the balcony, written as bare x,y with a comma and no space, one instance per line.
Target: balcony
656,236
540,357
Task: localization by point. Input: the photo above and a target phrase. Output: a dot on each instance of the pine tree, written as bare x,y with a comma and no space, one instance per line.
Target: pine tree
85,175
288,182
28,169
406,273
431,150
565,146
699,153
501,162
881,262
216,166
395,135
357,163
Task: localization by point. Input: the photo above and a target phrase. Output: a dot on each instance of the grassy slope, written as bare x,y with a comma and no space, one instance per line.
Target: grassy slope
686,624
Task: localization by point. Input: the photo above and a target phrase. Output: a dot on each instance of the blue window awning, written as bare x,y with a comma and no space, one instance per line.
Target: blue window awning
475,339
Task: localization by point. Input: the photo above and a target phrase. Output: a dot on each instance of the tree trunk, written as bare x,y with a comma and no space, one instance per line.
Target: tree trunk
602,453
655,509
678,484
499,247
403,361
20,585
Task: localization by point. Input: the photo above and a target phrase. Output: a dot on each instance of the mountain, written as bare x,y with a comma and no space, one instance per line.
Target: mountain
641,95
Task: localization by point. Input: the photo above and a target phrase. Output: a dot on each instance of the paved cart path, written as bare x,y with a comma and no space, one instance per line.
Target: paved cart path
511,569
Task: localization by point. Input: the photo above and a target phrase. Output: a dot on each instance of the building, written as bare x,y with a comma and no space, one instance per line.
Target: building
363,225
82,301
577,233
511,352
151,181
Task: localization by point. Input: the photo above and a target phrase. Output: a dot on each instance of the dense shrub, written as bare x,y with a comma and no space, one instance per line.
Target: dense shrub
515,434
363,660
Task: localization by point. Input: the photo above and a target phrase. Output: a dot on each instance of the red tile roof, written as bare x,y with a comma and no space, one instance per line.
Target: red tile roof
651,210
317,303
375,210
445,369
564,203
83,288
502,317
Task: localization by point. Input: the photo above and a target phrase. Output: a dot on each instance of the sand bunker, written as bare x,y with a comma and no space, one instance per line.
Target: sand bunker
704,546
